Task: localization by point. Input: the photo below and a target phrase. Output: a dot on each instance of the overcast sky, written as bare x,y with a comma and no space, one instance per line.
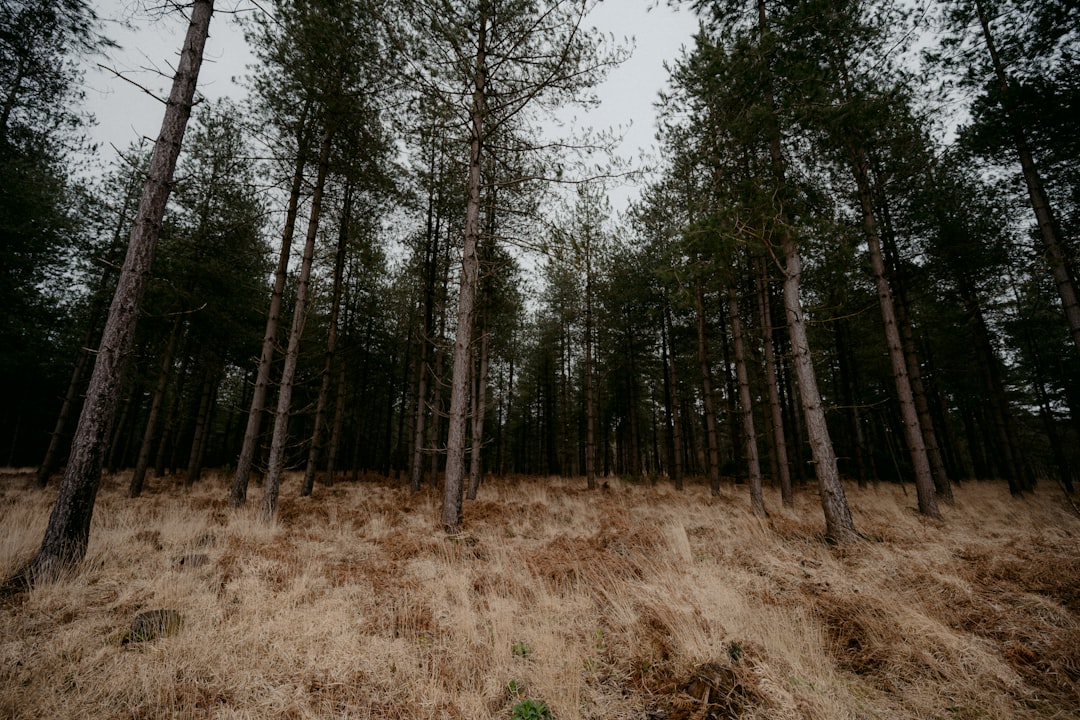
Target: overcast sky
149,50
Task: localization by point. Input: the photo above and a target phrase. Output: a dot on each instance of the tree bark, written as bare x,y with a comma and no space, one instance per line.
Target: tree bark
276,463
238,492
924,480
757,502
776,417
139,474
838,522
1040,203
68,532
711,433
459,394
671,386
199,437
331,345
479,411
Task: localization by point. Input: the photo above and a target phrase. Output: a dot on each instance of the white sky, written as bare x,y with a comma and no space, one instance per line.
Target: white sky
149,50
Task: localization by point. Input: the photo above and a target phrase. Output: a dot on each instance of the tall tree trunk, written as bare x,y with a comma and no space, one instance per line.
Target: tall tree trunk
838,523
68,532
757,502
238,493
139,474
276,464
479,411
924,480
671,389
331,344
1040,203
171,417
208,390
776,417
911,357
453,486
711,433
336,428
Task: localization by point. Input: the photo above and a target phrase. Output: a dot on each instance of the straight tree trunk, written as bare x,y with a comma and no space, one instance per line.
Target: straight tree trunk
170,418
1040,203
139,474
671,384
331,346
711,433
68,532
757,502
453,486
276,463
911,357
479,411
776,417
339,422
201,433
913,434
590,379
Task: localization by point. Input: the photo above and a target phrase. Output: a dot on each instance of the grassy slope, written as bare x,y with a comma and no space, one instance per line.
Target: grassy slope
626,603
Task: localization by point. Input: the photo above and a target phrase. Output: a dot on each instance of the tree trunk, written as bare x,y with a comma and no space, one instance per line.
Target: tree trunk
208,389
671,388
1040,203
459,394
339,422
711,433
68,531
838,523
331,345
139,474
238,493
776,417
479,411
276,463
924,480
757,502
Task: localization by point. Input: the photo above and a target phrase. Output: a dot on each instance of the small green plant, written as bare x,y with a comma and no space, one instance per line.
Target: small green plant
515,690
531,710
519,649
734,651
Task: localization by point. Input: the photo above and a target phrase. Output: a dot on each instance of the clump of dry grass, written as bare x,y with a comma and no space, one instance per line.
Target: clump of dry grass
632,602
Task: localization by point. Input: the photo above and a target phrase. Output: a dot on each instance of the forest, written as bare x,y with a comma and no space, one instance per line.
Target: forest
380,262
363,371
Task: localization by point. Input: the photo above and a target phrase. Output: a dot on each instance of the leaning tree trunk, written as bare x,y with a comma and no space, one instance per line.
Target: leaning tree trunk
238,493
275,466
68,531
838,523
924,479
1040,203
757,502
453,486
331,345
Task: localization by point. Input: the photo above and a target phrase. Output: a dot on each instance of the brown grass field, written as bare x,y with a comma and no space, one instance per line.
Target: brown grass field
631,602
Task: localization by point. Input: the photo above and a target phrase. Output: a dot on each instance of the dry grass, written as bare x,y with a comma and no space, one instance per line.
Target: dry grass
633,602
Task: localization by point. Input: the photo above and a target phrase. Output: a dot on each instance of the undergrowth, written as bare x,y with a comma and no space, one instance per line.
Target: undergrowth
632,602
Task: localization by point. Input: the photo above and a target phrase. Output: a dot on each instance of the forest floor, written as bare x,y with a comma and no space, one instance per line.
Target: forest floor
635,601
